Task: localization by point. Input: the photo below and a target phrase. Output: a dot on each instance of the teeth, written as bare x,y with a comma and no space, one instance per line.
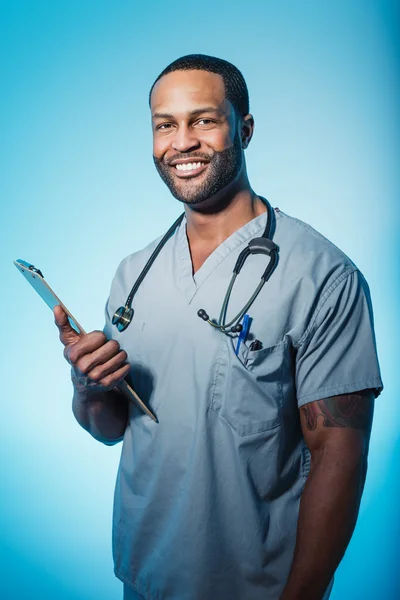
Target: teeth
188,166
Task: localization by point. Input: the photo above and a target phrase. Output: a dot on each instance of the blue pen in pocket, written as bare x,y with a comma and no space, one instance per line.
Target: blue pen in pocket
243,334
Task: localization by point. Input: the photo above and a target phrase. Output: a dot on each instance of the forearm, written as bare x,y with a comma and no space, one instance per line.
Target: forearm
103,414
328,513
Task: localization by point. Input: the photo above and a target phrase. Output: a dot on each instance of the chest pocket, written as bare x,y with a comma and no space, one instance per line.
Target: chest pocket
248,389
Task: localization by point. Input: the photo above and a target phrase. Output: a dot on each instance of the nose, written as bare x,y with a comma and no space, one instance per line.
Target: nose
185,139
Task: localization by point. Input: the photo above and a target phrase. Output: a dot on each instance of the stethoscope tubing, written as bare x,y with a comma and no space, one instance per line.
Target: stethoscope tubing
262,245
151,260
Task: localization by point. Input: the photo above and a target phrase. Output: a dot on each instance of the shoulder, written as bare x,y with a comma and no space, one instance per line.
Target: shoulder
134,263
305,241
305,253
311,270
124,278
131,265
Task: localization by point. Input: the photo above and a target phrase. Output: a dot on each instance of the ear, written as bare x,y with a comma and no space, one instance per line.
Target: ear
246,130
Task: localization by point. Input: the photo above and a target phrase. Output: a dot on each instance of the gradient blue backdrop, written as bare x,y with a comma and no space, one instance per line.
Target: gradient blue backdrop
79,192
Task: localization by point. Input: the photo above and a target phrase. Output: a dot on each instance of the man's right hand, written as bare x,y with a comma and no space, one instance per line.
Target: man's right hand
98,364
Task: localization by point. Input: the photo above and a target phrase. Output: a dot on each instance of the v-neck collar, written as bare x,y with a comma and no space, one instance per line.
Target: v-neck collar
191,283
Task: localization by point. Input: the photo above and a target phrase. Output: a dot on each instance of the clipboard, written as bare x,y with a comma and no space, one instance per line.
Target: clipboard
35,277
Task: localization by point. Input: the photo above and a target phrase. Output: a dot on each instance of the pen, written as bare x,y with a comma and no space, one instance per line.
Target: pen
244,332
256,345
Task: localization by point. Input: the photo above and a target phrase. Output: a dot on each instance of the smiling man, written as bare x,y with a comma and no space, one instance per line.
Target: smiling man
248,486
210,137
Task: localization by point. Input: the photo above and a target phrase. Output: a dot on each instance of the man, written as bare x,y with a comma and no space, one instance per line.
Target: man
249,485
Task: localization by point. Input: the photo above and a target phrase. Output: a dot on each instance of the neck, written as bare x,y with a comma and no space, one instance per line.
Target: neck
211,225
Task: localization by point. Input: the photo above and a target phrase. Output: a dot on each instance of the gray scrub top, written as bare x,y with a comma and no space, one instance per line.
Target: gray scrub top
207,500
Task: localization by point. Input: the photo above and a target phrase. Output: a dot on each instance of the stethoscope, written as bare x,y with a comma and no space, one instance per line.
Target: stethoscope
260,245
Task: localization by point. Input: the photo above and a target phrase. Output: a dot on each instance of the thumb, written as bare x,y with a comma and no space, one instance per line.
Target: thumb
68,335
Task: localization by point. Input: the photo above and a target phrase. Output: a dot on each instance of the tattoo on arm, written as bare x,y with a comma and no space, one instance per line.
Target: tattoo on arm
348,410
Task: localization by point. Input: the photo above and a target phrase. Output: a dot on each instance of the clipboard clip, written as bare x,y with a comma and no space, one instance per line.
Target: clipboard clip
30,267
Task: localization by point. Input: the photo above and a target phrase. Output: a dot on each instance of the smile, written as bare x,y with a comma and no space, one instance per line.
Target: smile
189,166
185,170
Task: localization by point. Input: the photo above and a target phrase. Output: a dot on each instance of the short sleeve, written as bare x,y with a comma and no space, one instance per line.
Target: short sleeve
107,317
116,297
338,354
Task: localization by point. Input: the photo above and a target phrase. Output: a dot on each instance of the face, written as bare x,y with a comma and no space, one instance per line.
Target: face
197,146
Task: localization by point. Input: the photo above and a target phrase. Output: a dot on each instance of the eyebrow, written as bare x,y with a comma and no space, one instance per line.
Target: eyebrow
193,113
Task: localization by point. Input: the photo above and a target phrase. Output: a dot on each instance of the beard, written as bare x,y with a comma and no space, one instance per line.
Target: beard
222,169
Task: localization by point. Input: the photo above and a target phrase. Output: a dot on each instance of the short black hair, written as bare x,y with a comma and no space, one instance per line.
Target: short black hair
235,85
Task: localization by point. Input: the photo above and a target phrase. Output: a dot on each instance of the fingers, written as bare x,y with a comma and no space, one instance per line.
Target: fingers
68,335
88,344
100,372
106,358
103,377
91,350
96,361
76,345
110,380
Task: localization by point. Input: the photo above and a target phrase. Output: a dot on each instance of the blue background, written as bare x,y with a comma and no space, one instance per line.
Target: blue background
79,192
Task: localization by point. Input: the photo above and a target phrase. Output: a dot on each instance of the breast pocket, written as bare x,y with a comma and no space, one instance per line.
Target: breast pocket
247,390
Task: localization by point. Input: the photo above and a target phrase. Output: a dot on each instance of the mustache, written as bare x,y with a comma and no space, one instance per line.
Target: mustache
171,159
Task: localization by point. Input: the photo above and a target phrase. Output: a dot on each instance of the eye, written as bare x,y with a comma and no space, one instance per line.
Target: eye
163,126
205,122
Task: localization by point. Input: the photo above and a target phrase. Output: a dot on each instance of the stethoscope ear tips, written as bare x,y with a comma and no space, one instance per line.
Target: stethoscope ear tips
202,314
122,317
237,328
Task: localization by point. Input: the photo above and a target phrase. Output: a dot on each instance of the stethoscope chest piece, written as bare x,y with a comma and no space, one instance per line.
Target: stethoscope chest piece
122,317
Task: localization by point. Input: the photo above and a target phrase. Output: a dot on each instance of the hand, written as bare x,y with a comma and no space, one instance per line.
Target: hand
98,364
